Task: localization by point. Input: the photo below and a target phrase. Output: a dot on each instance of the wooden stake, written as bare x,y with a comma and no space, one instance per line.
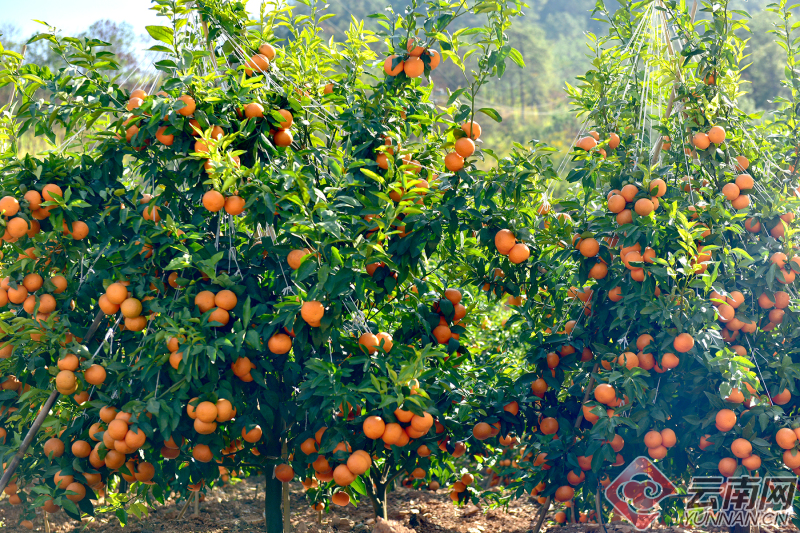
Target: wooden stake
542,514
598,507
196,504
287,511
185,506
37,424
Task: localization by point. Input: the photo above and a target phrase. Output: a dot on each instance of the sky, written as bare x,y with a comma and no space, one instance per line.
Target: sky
76,15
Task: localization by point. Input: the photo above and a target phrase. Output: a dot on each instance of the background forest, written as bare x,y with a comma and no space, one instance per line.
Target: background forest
532,101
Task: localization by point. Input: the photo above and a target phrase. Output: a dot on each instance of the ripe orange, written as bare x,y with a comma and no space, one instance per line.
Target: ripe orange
668,438
616,203
252,436
504,241
95,375
51,191
234,205
368,343
741,448
280,343
53,446
254,110
727,466
548,425
414,67
267,50
131,308
701,141
605,393
213,201
564,493
472,129
283,138
725,420
482,431
284,473
341,499
189,105
589,247
465,147
786,438
643,207
716,134
226,299
393,71
659,452
452,162
683,343
652,439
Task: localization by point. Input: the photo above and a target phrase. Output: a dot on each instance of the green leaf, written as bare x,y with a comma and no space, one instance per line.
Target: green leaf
491,113
160,33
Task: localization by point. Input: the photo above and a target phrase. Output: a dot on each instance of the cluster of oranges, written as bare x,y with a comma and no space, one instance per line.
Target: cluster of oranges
631,199
260,61
206,414
67,381
413,62
506,243
350,465
215,201
219,304
18,226
281,135
464,146
118,298
442,331
658,442
592,140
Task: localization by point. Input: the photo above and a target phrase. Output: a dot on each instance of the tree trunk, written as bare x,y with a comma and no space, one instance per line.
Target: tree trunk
273,488
273,492
377,495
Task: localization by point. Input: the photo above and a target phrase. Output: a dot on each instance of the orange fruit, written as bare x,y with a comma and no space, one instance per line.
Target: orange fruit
234,205
725,420
786,438
414,67
189,105
549,426
452,162
51,191
465,147
254,110
226,299
53,446
701,141
472,129
9,206
252,436
683,343
741,448
504,241
393,71
213,201
716,134
564,493
282,138
280,343
95,375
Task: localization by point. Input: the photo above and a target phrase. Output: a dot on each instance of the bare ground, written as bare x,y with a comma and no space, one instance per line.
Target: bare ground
239,508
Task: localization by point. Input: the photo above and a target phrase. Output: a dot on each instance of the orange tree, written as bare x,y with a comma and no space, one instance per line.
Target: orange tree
673,332
262,240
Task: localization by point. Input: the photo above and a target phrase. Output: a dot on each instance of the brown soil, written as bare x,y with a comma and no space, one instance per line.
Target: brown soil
239,508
